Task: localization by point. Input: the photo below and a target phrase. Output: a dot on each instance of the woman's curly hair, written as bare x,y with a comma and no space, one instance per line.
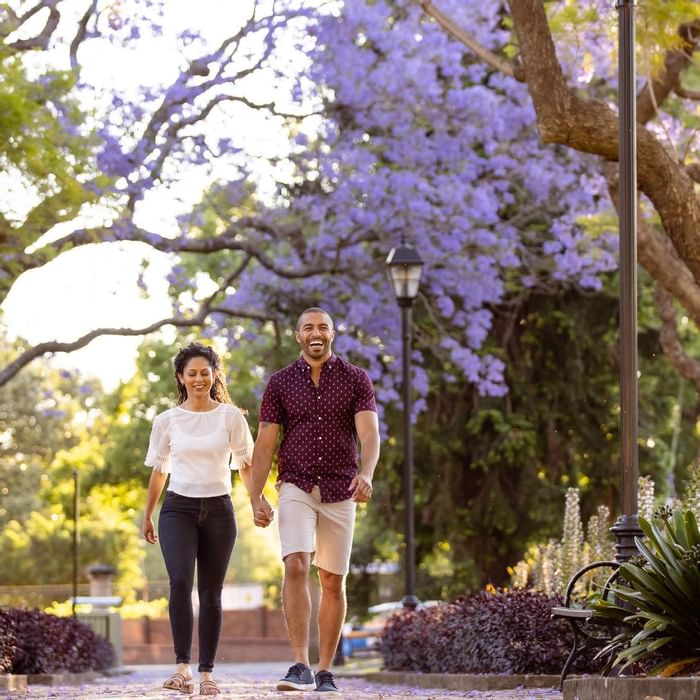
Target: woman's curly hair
218,391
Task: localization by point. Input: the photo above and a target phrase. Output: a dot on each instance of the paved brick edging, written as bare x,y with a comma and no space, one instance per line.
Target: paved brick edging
462,681
596,688
10,681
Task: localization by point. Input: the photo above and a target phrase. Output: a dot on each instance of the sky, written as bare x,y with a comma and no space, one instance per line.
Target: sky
95,286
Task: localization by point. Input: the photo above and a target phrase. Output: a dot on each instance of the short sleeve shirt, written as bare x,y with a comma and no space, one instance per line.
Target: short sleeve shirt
199,449
319,444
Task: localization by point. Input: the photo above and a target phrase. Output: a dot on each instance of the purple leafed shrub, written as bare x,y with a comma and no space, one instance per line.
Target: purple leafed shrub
34,642
488,632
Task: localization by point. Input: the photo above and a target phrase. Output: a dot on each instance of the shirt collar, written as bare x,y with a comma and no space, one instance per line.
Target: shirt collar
304,366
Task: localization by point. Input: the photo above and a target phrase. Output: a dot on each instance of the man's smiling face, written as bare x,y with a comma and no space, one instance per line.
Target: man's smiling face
315,335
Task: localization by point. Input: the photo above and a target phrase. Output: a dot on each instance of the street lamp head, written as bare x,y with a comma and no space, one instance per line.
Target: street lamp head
404,266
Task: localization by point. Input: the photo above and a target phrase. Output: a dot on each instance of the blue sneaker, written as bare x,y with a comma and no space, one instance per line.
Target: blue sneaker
299,677
325,683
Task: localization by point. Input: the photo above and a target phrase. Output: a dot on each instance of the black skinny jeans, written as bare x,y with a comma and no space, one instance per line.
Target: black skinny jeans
201,530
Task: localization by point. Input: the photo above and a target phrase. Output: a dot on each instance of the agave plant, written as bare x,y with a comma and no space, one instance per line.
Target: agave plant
658,597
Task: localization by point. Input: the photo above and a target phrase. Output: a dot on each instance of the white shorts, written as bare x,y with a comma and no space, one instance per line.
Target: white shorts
308,525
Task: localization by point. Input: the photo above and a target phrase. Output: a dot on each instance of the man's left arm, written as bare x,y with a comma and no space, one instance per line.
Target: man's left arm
367,428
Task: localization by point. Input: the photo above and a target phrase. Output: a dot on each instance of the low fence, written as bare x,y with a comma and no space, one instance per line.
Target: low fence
44,595
38,596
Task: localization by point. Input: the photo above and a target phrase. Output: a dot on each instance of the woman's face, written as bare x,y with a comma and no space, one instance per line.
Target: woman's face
197,377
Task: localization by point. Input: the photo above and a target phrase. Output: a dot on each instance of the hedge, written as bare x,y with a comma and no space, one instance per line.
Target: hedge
33,642
497,631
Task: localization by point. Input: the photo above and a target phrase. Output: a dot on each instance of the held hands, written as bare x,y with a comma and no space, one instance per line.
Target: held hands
361,487
148,531
263,514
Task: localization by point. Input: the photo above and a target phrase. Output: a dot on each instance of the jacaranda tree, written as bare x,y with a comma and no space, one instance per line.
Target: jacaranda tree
441,151
426,134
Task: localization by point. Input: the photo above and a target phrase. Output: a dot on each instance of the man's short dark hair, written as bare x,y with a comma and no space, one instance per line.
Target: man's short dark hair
313,310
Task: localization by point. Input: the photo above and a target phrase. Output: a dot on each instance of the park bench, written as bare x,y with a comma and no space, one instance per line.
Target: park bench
589,631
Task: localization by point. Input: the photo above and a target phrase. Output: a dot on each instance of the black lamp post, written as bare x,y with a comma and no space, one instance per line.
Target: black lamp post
405,266
627,526
76,534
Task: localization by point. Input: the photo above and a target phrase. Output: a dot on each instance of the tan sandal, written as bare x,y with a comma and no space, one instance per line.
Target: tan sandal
208,688
180,682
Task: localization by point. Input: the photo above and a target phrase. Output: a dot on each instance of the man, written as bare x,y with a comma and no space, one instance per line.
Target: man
324,406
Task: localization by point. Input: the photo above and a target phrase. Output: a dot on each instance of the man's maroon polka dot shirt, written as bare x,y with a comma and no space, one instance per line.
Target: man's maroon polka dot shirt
319,446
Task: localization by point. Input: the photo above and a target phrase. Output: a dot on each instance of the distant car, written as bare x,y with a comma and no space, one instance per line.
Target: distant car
385,609
363,637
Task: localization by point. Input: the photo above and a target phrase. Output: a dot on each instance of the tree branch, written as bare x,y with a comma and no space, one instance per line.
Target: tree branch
590,126
41,40
80,34
456,32
675,62
180,106
693,171
236,237
656,254
670,341
687,94
206,309
54,346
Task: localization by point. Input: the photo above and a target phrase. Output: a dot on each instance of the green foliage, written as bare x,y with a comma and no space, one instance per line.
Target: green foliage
478,462
158,607
50,427
40,548
657,30
38,418
33,138
45,149
657,23
691,494
490,475
658,597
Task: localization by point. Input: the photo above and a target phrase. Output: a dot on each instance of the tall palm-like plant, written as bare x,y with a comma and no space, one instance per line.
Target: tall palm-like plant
658,597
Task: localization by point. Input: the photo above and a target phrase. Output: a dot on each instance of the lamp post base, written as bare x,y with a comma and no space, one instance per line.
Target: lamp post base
625,530
410,602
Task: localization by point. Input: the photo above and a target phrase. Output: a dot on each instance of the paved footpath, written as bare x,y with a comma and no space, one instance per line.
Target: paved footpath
248,681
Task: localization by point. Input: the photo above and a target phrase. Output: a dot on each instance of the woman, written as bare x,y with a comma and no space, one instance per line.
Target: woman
198,443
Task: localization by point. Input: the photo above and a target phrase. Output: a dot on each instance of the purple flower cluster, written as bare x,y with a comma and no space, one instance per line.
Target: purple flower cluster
424,143
420,141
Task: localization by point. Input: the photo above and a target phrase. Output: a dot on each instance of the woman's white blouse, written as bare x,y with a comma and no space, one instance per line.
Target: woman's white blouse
199,449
